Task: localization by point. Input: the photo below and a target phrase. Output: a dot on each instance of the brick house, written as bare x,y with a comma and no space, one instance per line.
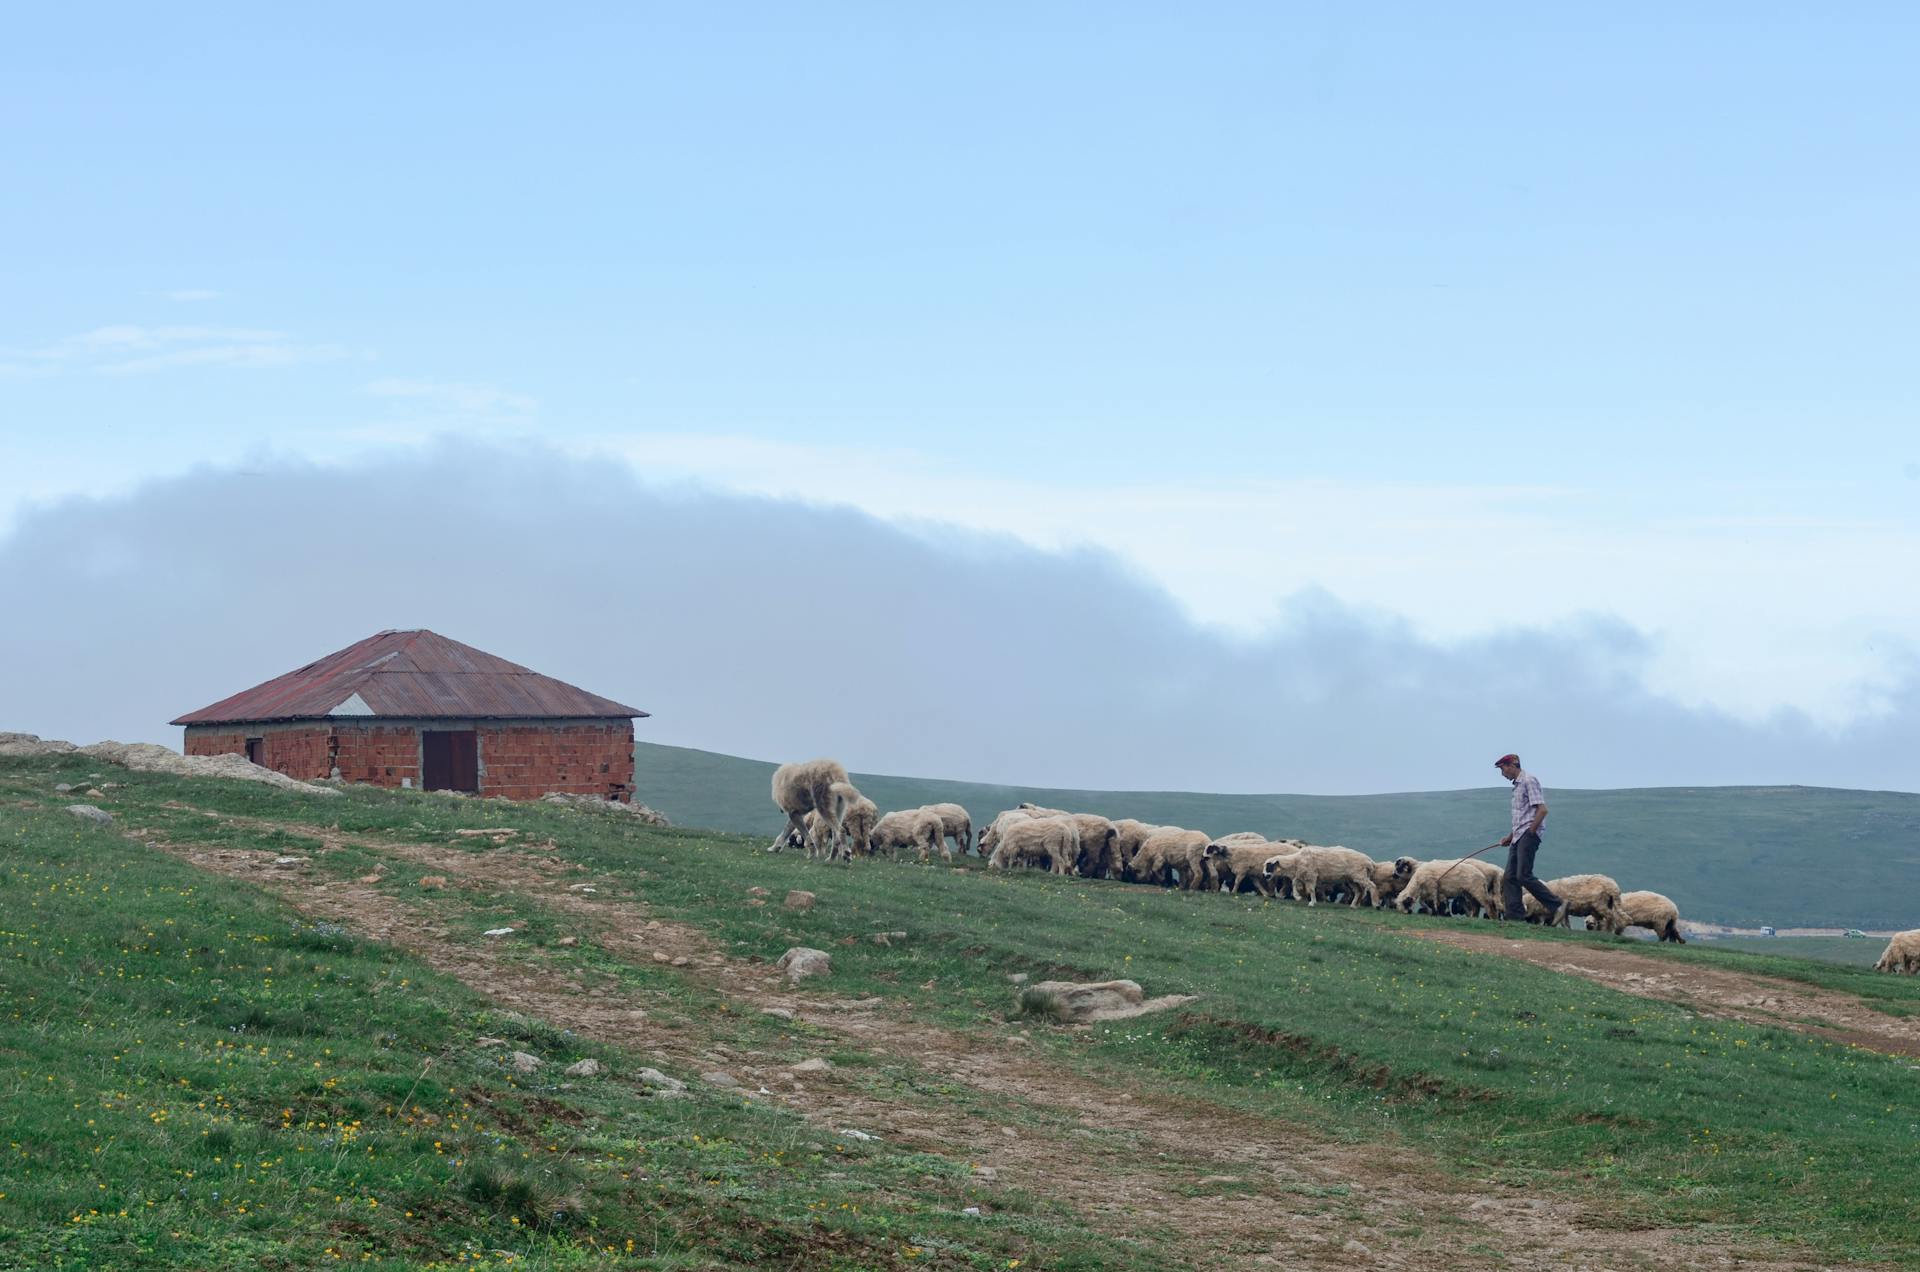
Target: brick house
413,708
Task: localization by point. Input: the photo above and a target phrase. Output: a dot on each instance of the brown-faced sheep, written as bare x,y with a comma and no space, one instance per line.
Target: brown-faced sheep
1902,954
799,789
1593,897
1647,910
955,824
1167,851
913,828
1438,884
1054,841
1332,870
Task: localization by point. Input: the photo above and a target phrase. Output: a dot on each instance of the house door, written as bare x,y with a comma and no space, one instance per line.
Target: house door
257,751
450,760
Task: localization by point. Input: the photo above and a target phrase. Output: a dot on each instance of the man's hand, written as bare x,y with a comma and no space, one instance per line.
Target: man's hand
1505,843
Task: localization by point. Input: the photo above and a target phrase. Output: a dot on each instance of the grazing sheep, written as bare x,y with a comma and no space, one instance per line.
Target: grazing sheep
1279,868
1334,870
1170,850
1128,835
1096,846
1039,811
1647,910
822,835
1389,877
858,816
990,835
799,789
1438,884
910,828
1053,840
1236,862
1592,896
1902,954
955,824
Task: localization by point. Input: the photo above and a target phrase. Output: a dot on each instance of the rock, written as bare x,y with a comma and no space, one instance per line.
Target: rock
492,1042
852,1134
372,878
781,1013
505,931
1084,1002
1009,1132
31,744
523,1062
288,861
63,787
568,940
90,813
1358,1249
680,960
1018,978
433,882
815,1065
799,900
719,1079
582,888
801,963
583,1069
145,757
986,1172
658,957
758,892
654,1080
887,938
594,804
972,1210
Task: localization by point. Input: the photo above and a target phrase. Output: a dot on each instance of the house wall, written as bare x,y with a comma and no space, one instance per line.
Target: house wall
521,759
298,750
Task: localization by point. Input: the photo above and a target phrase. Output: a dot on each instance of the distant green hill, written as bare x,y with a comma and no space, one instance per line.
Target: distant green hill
1744,855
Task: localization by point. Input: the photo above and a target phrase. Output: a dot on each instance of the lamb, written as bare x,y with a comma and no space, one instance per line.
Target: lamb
1592,896
1054,840
1647,910
799,789
822,835
1168,850
1438,884
910,828
955,823
1334,869
1902,954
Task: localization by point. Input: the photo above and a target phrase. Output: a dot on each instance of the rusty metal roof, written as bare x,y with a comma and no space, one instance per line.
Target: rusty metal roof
412,674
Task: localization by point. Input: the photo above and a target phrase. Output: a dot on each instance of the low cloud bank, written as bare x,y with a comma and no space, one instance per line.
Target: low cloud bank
777,629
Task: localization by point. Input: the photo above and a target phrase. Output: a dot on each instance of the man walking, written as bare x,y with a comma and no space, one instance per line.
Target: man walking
1529,815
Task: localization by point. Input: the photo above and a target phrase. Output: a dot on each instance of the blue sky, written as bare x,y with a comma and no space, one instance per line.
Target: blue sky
1476,316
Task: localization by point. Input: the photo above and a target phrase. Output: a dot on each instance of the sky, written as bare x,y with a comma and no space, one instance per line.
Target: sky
1563,356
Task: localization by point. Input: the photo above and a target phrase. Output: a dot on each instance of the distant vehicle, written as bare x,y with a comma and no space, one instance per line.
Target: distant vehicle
1855,932
1767,931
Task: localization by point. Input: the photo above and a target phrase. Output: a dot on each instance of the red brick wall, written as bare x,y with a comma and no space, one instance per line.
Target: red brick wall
527,761
376,753
298,751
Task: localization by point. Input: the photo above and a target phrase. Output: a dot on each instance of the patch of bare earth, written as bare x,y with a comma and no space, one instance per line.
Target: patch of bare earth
1710,991
1238,1191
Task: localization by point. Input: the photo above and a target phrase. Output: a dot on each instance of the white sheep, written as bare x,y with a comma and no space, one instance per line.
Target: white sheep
1238,862
1054,841
1389,877
955,824
1647,910
1594,897
1170,850
990,833
1128,835
1438,884
1902,954
799,789
858,816
913,828
1333,869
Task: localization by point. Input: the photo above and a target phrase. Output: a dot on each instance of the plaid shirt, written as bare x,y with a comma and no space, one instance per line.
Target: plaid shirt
1527,797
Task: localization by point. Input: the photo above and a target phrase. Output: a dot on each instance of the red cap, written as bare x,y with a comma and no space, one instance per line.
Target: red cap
1506,759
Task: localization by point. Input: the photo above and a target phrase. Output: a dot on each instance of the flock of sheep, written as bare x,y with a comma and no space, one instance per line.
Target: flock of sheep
829,818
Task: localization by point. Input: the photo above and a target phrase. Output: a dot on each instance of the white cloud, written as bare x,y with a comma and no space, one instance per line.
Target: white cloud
467,397
126,349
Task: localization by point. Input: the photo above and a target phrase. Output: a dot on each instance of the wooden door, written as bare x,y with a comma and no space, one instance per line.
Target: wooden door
450,760
257,751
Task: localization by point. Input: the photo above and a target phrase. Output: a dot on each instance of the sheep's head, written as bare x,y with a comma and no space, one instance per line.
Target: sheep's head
1270,867
1215,852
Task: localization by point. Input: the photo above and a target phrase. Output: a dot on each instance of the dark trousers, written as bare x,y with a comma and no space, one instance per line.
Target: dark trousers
1520,875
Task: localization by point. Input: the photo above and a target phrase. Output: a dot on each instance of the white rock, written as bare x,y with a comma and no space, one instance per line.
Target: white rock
658,1081
498,932
719,1079
801,962
523,1062
583,1068
780,1013
89,813
815,1065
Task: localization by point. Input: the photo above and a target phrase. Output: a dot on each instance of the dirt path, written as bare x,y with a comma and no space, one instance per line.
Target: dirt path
1710,991
1239,1191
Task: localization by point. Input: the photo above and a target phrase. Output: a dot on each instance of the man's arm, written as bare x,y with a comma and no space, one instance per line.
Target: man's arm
1539,815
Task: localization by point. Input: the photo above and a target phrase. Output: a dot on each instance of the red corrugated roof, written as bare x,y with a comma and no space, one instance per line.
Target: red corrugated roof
416,674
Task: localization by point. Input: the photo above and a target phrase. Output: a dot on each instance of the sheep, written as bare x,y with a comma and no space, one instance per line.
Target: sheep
1334,869
955,824
1039,811
1647,910
1902,954
990,834
1054,840
1277,869
1437,884
1096,846
910,828
802,788
1171,849
1592,896
822,835
1236,861
1128,835
1389,877
858,816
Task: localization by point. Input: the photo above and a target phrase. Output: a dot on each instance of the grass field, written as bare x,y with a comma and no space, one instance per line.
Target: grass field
199,1078
1851,951
1733,855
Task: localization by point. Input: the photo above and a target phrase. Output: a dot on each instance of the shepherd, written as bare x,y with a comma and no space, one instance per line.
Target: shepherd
1529,816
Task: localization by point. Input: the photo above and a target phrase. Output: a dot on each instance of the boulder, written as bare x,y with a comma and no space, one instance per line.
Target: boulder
799,900
801,963
816,1065
523,1062
656,1081
583,1068
1085,1002
90,813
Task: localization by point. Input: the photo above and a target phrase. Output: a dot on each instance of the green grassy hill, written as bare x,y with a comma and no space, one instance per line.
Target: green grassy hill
1726,854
